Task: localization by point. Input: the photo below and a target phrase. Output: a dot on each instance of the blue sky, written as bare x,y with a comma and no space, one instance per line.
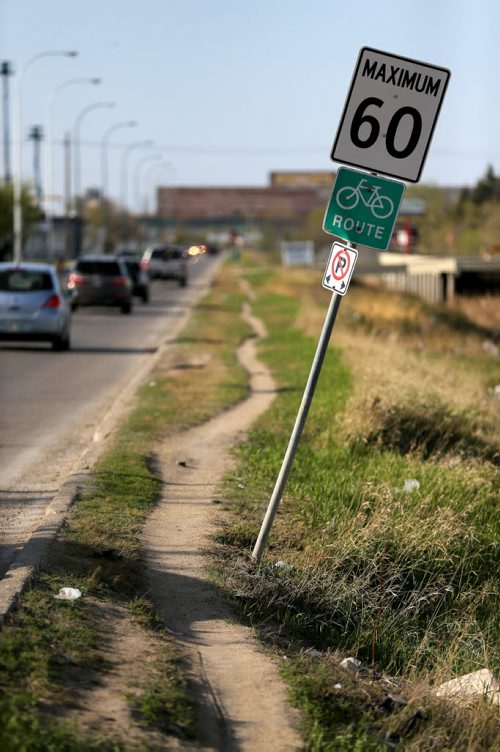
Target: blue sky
229,91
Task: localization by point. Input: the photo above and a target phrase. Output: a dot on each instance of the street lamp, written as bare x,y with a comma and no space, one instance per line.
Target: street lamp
150,174
104,169
49,146
104,152
165,167
36,135
136,180
124,169
76,146
17,151
137,176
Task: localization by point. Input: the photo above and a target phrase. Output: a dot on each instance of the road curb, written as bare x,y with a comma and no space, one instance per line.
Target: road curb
34,552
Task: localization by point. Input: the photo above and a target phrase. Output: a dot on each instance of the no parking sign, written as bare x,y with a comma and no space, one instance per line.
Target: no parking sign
339,268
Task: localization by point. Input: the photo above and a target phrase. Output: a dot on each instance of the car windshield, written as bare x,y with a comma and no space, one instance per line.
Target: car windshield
108,268
24,280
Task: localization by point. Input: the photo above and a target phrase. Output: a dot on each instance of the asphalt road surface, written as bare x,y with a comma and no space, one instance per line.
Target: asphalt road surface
55,405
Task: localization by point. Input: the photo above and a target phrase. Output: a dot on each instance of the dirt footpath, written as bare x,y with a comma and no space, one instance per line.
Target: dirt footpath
242,699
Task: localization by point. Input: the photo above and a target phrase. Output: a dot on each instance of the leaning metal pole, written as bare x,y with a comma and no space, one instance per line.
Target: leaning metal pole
298,427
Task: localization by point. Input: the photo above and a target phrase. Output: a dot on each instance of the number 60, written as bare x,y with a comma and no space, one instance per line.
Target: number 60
360,118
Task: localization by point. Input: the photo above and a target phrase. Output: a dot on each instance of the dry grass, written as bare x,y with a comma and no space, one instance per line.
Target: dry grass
399,715
398,346
484,310
405,581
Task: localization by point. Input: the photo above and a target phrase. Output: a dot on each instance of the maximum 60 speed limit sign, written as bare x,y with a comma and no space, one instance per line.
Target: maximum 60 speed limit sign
390,114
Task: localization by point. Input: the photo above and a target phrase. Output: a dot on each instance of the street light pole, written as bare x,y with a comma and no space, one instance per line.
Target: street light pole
77,150
5,72
49,150
17,151
104,170
124,169
137,176
165,166
148,179
36,135
136,179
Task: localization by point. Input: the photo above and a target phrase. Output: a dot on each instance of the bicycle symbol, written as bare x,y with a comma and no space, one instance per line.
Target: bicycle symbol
381,206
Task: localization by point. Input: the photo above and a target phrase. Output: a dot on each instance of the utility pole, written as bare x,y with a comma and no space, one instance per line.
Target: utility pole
36,135
67,173
68,242
6,71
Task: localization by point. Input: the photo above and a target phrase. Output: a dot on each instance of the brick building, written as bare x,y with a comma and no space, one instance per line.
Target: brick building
290,197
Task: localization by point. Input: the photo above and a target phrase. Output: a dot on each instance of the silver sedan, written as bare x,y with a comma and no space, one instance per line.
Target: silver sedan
32,305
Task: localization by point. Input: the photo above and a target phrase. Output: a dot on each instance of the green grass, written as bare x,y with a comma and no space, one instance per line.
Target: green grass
368,714
50,650
164,701
404,581
43,641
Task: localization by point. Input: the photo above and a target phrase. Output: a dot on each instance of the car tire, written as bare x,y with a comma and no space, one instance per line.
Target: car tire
127,308
62,343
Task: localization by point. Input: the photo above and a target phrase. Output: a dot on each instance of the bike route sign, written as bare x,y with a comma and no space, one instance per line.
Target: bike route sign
363,208
339,268
390,114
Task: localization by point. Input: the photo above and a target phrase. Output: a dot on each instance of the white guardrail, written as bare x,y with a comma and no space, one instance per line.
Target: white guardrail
432,278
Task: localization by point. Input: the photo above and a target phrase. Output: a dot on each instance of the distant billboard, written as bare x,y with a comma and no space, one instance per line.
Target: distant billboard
297,179
416,206
297,253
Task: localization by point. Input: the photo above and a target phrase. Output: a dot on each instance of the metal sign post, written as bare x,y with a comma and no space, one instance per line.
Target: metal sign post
300,422
388,121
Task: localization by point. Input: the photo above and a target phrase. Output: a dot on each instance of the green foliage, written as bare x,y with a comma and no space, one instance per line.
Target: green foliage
487,188
121,225
29,211
473,226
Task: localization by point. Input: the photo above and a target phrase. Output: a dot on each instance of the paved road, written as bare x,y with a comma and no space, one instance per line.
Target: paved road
53,404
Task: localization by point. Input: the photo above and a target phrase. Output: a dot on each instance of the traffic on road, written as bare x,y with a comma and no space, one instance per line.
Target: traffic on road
36,302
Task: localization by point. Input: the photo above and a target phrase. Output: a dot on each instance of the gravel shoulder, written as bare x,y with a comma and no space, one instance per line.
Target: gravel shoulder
242,700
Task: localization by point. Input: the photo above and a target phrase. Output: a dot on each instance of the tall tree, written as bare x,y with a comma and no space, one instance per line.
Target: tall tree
29,211
486,189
